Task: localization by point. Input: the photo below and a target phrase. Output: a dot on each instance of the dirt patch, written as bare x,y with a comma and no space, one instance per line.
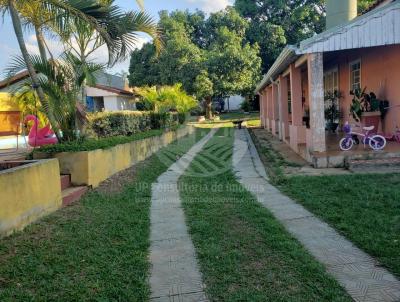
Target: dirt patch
116,183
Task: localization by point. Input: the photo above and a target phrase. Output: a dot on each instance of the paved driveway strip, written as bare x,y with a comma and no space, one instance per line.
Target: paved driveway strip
356,271
175,275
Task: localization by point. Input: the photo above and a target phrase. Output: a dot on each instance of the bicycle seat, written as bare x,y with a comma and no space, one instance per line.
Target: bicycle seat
369,128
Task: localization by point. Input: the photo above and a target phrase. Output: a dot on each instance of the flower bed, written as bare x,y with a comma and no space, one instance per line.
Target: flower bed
92,165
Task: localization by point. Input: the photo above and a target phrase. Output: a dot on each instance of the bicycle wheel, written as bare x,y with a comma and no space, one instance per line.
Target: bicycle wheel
346,143
377,142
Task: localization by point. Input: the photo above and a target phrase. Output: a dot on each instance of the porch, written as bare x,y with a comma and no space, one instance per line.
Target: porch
333,157
293,102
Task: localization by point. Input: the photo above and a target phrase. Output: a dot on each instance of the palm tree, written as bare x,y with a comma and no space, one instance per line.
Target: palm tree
105,21
64,12
60,80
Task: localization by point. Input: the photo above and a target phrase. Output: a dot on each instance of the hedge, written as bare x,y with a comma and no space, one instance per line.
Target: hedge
126,123
101,143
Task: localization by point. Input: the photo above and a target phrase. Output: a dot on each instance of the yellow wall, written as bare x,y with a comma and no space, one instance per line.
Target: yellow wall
27,193
6,104
92,167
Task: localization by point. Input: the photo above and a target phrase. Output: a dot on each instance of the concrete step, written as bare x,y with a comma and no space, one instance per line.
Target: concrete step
377,165
65,181
72,194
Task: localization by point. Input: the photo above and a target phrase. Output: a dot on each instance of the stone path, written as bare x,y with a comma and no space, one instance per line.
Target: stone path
355,270
175,275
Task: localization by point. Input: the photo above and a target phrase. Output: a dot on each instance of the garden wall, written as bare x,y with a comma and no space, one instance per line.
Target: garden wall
92,167
28,192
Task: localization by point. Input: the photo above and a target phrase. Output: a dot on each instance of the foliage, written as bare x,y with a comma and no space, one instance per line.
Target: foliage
209,56
106,124
28,103
93,144
166,98
245,106
60,80
276,23
364,102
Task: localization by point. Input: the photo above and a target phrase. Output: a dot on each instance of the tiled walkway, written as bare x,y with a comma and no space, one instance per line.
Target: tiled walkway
356,271
175,275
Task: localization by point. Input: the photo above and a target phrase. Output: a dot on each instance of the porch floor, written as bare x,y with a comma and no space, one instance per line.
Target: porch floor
333,149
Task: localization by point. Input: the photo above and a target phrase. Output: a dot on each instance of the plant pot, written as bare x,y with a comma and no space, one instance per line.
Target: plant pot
371,119
331,126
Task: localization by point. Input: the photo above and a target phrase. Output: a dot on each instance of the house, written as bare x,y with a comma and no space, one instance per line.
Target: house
354,52
111,92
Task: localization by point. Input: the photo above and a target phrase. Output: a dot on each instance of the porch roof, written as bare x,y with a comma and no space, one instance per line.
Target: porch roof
377,27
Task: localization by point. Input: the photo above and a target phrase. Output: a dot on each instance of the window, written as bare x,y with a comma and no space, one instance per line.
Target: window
331,86
355,75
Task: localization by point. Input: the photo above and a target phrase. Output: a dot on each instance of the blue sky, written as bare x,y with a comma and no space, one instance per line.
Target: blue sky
9,46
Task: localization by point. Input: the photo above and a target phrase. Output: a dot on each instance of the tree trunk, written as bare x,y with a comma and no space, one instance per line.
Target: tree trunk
208,105
41,43
29,65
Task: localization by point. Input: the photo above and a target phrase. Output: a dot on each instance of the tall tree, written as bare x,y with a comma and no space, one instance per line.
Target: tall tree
210,57
275,23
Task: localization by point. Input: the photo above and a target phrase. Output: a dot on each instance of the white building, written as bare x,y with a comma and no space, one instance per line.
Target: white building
105,98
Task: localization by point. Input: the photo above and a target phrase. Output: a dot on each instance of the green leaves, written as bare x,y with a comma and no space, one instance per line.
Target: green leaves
210,57
166,98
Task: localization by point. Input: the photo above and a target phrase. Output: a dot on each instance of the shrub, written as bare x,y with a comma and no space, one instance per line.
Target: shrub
127,123
106,124
93,144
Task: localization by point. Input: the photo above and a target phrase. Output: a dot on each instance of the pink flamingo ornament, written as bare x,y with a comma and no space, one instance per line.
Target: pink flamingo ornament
39,137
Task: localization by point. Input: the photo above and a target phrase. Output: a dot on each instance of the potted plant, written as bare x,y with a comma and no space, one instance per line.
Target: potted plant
367,108
332,112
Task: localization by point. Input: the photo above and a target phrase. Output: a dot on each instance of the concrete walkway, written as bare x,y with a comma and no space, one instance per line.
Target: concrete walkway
355,270
175,275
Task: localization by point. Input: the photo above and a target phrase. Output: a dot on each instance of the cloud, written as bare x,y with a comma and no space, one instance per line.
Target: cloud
210,6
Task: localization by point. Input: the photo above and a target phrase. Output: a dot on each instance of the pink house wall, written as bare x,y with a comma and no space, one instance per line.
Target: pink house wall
380,73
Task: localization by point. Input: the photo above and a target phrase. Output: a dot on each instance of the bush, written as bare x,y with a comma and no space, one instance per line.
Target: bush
127,123
93,144
106,124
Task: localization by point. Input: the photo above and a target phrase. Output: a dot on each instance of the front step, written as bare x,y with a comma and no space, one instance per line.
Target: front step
72,194
65,181
380,165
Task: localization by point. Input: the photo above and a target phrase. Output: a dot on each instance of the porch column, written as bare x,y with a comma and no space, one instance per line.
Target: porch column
316,90
297,94
261,109
269,108
275,109
297,131
284,112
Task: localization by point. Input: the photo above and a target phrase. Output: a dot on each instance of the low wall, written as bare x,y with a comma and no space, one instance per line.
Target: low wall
28,192
92,167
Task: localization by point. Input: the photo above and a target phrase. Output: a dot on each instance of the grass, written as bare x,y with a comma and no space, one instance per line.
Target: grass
365,208
95,250
227,119
245,254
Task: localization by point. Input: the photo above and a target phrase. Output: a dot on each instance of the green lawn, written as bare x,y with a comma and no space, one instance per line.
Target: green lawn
244,253
365,208
95,250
